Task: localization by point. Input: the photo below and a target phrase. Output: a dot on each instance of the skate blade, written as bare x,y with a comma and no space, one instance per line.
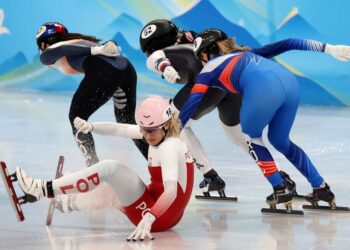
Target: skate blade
281,211
11,192
216,198
327,208
59,170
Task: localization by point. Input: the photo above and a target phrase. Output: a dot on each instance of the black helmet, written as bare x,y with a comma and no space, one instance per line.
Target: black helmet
206,41
158,34
48,32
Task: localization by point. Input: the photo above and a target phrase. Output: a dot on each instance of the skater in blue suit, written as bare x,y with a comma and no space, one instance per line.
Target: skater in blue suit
270,96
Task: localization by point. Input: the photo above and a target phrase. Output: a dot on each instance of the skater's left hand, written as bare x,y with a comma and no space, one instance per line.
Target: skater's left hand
82,125
340,52
143,229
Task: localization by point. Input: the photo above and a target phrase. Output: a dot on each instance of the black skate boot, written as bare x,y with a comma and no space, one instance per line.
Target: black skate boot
289,182
291,187
213,182
280,194
321,194
325,194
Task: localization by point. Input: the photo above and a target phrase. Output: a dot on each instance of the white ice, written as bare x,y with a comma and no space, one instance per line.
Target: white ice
35,130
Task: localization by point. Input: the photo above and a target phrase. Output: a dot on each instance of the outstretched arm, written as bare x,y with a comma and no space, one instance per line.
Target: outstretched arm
58,50
274,49
108,128
340,52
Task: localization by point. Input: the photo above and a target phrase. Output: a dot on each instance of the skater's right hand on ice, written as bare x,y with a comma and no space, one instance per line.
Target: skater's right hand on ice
82,125
143,229
108,49
170,74
340,52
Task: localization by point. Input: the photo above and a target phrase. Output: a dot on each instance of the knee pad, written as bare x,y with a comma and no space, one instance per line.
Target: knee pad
119,99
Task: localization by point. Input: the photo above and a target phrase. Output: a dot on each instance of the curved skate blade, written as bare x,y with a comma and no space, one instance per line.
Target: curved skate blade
58,174
216,198
11,192
327,208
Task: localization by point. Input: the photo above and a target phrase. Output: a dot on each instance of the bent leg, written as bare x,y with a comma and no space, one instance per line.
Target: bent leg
256,112
278,134
127,186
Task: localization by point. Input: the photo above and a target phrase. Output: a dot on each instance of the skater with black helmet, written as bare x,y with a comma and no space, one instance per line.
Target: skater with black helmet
170,53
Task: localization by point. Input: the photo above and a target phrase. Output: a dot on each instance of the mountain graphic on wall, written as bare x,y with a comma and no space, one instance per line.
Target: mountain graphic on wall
135,55
125,24
35,76
313,94
204,15
294,25
18,60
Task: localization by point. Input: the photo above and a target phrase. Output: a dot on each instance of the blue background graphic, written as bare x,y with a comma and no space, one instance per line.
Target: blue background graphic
323,80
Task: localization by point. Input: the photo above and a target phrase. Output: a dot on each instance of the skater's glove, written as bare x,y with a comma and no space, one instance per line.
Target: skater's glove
107,49
340,52
82,125
143,229
170,74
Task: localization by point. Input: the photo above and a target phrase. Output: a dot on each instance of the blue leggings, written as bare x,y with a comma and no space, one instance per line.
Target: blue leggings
271,97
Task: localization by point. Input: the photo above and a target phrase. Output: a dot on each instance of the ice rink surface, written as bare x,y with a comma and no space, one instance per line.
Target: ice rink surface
35,130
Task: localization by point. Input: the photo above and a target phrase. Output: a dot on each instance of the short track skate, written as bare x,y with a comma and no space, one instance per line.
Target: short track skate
281,195
15,201
323,194
331,208
288,210
53,201
222,197
214,184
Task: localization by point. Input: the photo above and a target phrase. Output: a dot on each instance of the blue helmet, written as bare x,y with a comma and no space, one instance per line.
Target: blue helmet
48,32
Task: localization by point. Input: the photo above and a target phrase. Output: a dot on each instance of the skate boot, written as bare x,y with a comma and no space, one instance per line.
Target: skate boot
289,182
33,189
212,182
280,194
65,203
321,194
87,147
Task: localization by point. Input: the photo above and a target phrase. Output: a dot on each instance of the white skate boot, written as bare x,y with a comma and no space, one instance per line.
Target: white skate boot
33,189
65,203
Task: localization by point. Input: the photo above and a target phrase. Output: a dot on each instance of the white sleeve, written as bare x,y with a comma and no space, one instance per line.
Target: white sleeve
169,161
117,129
157,62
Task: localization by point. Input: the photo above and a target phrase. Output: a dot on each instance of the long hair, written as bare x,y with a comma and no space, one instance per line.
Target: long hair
174,126
71,36
229,45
